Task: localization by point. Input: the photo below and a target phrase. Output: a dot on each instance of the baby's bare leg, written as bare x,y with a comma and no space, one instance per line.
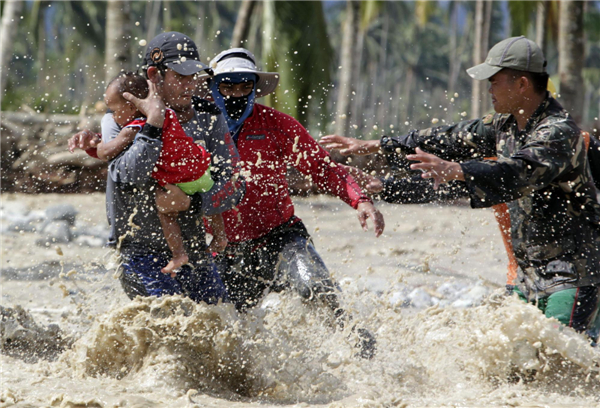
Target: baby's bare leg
171,199
219,241
168,209
173,236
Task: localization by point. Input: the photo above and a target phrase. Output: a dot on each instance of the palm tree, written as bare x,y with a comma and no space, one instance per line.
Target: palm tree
483,15
242,24
348,66
118,37
152,18
295,43
540,24
571,54
7,37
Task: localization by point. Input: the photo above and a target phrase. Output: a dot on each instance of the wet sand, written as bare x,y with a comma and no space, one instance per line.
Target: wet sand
171,352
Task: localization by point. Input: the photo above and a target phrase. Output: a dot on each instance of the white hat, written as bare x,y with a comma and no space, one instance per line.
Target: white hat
241,60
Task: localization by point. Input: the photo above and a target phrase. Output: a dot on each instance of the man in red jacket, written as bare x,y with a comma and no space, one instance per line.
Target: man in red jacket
269,247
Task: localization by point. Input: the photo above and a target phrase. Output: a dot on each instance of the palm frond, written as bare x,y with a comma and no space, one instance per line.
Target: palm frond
369,11
296,45
521,16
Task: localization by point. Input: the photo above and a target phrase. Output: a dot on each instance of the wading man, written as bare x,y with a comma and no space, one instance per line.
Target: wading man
269,247
541,172
171,64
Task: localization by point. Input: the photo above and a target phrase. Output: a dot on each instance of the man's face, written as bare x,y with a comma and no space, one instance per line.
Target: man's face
236,90
505,93
178,90
123,110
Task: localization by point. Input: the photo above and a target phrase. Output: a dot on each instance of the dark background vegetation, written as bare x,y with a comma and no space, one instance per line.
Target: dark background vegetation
360,68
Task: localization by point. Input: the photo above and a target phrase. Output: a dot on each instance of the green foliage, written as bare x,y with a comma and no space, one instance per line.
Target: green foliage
409,55
522,16
424,10
369,11
296,45
591,25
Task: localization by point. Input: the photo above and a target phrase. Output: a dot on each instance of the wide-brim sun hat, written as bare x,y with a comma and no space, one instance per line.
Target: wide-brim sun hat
239,60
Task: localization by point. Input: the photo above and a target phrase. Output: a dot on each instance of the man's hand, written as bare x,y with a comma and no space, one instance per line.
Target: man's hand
441,171
370,184
349,145
84,140
152,106
368,210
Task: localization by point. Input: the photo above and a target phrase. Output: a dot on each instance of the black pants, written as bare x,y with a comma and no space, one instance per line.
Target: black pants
283,258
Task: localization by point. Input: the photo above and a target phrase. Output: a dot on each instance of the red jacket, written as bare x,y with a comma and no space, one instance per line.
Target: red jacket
268,142
181,160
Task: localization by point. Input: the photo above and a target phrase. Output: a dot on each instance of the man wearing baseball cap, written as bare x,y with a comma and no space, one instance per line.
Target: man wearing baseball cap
171,65
541,172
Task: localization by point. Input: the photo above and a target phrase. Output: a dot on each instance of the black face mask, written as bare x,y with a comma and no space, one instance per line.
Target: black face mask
236,106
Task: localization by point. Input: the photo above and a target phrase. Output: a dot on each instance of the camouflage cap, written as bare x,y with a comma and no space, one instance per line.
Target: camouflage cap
517,53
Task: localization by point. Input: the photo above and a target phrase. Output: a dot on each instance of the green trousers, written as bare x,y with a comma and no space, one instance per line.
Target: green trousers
577,308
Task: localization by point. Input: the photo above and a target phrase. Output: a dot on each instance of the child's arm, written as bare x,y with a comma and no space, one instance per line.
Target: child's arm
109,150
219,241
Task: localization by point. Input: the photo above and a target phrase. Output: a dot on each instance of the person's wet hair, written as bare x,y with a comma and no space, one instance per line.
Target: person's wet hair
539,81
131,82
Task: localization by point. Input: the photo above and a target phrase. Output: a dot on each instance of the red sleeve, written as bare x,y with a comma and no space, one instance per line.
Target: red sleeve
92,151
137,123
305,154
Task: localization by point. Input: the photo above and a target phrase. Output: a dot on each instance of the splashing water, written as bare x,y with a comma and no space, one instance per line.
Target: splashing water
171,352
287,353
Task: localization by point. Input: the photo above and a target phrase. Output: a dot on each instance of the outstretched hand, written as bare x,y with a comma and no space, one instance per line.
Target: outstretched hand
370,184
367,210
349,145
441,171
152,106
84,140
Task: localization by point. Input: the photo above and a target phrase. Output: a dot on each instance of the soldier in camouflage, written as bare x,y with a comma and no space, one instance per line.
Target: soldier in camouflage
541,172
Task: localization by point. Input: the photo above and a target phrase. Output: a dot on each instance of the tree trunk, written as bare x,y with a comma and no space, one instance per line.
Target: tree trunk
485,45
349,42
199,33
8,32
381,79
571,55
152,20
167,20
268,52
409,81
253,43
242,24
477,51
41,44
358,102
540,24
118,37
453,57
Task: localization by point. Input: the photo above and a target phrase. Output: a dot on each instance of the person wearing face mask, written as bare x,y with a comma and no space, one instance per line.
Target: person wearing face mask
269,247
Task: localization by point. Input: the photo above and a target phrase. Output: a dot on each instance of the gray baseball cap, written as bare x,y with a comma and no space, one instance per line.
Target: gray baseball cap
517,53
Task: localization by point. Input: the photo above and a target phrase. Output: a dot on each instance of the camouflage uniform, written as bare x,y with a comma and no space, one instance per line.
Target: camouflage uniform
543,174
